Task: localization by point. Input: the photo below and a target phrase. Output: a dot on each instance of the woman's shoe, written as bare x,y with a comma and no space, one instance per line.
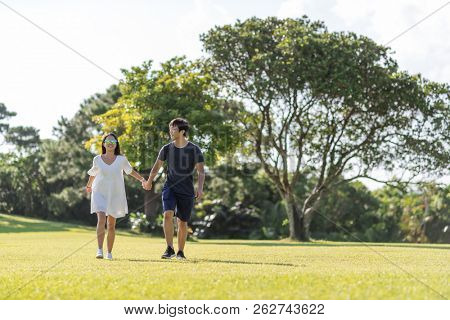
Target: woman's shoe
99,254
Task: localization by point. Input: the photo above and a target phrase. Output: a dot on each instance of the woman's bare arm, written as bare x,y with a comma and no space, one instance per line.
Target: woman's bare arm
137,176
89,184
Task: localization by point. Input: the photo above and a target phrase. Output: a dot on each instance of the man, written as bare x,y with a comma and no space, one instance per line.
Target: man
178,195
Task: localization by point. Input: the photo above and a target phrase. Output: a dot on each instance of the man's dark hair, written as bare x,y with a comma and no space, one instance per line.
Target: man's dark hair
181,123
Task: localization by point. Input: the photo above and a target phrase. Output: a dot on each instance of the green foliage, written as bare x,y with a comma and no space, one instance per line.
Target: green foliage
46,178
65,203
333,102
139,222
151,98
65,160
311,106
349,213
245,185
221,221
22,187
425,214
5,114
25,139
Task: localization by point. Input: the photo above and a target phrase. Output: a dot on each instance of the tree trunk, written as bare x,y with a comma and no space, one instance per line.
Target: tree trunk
296,224
307,217
308,210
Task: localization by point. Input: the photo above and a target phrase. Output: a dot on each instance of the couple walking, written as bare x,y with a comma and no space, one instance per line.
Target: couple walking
108,199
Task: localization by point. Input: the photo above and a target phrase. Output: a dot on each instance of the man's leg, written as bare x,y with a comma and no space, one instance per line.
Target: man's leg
182,234
168,227
168,233
169,205
184,209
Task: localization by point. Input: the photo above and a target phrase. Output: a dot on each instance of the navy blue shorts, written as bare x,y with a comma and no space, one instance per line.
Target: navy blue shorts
182,204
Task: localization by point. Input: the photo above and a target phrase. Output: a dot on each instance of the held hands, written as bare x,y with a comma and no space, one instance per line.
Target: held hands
146,185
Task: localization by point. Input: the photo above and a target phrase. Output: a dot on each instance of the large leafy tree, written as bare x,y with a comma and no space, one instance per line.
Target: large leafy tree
331,102
152,97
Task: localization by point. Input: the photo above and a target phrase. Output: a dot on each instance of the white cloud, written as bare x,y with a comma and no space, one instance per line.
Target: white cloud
291,9
424,49
41,80
204,15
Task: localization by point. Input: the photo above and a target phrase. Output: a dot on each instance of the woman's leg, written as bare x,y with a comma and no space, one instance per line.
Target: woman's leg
111,232
101,221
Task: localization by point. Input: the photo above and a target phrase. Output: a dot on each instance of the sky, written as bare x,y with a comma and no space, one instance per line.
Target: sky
42,80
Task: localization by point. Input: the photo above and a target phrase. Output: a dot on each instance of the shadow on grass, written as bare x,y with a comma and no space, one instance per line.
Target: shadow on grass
18,224
262,243
213,261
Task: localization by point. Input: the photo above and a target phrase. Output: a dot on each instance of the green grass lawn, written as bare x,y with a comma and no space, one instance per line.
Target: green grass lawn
47,260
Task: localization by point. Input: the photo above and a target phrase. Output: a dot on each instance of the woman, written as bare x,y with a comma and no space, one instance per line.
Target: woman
108,199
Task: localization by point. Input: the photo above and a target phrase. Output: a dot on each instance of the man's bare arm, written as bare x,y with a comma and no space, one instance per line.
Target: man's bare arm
201,179
148,184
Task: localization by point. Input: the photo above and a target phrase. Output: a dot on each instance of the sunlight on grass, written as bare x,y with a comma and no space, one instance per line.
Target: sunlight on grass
60,264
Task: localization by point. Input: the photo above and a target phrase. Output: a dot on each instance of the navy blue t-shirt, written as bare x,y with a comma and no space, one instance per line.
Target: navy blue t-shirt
180,167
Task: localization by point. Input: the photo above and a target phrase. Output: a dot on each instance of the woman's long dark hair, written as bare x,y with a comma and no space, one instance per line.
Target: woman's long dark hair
117,150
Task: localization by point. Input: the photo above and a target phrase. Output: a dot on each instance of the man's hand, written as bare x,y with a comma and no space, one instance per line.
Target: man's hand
147,185
88,189
199,194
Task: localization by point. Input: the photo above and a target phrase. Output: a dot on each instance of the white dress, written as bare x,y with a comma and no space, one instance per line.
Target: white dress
108,190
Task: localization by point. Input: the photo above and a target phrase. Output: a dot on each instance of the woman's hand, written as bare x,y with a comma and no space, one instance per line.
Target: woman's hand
147,185
88,189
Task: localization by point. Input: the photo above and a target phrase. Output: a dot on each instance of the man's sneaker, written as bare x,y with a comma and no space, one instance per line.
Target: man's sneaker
109,256
99,254
180,255
169,253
